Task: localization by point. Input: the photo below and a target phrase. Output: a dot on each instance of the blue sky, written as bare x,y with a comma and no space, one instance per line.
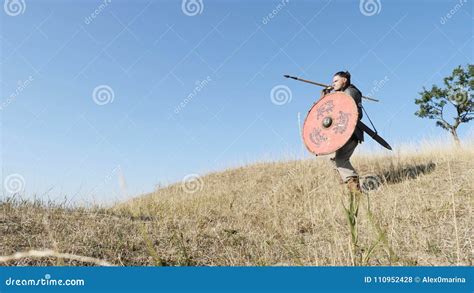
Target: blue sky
186,88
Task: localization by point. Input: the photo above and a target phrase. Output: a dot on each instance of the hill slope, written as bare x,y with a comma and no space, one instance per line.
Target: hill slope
288,213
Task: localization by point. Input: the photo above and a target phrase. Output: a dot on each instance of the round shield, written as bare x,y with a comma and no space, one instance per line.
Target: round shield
330,123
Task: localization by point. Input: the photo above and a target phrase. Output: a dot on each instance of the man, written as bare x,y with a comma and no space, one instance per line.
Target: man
342,83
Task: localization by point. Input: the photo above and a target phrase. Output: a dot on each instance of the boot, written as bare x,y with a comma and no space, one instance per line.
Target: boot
353,185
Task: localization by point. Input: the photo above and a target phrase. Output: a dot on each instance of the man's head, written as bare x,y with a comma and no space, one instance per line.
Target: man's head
341,80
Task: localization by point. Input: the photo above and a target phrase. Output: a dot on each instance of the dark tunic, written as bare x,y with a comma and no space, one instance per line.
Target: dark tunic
355,93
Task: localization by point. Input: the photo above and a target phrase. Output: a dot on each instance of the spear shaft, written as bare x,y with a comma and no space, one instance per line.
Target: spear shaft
322,84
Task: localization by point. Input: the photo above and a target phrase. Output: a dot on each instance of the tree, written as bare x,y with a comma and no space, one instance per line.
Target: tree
457,92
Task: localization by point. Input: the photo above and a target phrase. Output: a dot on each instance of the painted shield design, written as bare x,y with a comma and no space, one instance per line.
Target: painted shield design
330,123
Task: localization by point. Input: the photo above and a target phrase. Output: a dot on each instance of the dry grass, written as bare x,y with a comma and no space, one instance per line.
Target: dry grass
288,213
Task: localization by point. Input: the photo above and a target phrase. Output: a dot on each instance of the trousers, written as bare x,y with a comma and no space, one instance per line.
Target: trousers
341,161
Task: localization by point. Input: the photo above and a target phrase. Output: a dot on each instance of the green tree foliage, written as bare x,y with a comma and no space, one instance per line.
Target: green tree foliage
456,92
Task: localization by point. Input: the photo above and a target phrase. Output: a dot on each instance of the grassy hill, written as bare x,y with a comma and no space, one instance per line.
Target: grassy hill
286,213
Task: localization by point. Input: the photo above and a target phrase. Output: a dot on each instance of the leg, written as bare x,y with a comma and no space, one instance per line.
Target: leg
342,161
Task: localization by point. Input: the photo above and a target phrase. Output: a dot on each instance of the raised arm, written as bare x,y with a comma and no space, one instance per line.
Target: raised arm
325,91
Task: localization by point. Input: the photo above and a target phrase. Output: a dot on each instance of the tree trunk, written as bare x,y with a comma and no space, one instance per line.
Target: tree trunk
455,136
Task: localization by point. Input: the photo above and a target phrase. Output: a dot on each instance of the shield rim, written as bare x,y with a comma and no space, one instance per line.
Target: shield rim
305,120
